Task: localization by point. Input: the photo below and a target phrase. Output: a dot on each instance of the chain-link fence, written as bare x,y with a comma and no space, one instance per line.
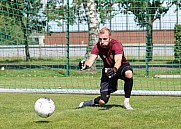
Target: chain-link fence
42,41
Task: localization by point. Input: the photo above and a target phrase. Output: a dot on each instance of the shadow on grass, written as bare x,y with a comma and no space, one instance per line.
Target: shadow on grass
42,121
109,106
105,107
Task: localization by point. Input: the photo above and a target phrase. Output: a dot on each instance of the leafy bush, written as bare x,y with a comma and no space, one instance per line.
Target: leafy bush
177,47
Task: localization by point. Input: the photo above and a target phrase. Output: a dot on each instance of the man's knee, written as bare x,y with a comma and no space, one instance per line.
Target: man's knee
104,99
128,74
102,102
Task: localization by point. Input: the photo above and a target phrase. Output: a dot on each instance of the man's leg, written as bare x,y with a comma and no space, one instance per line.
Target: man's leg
102,100
126,73
127,89
87,103
107,86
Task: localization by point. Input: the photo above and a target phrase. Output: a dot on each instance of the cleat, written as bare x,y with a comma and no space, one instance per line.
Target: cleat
81,104
127,106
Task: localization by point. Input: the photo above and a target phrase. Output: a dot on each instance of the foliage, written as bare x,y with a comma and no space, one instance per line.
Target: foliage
9,31
91,12
105,9
56,11
155,8
26,14
177,47
146,12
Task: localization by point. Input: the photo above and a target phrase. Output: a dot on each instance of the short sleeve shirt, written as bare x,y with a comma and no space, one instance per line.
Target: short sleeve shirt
107,54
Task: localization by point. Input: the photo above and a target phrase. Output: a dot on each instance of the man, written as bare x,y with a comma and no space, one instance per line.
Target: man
115,67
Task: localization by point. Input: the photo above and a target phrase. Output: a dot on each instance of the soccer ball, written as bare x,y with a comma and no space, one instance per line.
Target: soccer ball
44,107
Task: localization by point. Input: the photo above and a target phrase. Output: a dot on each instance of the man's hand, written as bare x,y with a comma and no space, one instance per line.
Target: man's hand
110,72
82,65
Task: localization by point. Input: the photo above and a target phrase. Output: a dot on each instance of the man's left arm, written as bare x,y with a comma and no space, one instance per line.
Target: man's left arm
118,60
110,72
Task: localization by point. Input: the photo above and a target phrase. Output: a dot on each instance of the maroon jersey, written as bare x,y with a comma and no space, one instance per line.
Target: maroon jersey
107,54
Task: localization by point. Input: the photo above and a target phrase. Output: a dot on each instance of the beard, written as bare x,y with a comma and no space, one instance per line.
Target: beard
105,46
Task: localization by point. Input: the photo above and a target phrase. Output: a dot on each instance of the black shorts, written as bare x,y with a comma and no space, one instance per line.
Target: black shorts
111,84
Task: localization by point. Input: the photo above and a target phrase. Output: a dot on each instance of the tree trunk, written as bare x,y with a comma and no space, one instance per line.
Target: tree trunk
27,53
93,25
25,32
150,41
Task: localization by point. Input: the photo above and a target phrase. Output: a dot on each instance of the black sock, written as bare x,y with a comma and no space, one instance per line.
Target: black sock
88,103
128,85
96,100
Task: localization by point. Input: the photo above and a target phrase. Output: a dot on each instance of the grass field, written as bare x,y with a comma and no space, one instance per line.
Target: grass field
55,78
150,112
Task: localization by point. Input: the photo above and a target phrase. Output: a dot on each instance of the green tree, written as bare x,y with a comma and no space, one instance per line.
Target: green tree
92,12
146,13
25,14
87,11
177,46
9,31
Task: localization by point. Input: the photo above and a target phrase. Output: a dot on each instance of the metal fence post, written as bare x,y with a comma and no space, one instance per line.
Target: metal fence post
67,39
147,37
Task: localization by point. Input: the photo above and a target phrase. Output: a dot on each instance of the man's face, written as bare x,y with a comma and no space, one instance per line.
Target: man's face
104,39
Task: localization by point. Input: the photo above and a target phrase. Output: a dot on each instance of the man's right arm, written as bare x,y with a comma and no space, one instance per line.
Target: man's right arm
83,65
91,60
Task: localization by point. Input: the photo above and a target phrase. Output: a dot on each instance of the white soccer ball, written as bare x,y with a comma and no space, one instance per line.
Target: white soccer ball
44,107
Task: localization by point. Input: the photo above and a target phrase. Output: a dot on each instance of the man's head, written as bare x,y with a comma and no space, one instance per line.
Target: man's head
104,37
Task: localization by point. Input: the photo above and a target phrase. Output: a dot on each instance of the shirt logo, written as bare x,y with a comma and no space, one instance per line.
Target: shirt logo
104,56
